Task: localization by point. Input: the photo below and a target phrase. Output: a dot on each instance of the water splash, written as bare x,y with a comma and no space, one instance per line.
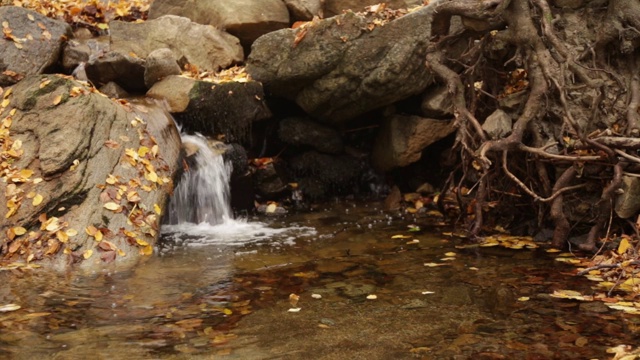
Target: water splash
202,195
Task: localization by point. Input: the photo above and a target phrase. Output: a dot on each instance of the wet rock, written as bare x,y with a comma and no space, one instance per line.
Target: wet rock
226,109
393,200
301,131
160,64
269,183
320,175
402,138
246,19
125,70
595,307
304,10
74,140
204,46
21,56
337,7
457,295
500,300
339,69
498,124
628,203
356,290
437,103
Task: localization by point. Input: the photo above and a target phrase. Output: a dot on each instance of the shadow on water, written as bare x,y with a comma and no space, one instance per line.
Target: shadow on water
203,297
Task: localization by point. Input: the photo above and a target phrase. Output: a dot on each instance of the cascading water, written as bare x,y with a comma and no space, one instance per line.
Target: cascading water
202,195
199,212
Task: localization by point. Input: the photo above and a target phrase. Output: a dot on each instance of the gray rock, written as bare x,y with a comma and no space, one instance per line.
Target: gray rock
437,103
74,140
301,131
628,203
246,19
203,46
160,64
402,138
79,51
114,90
304,10
498,124
339,69
226,109
125,70
32,50
269,183
337,7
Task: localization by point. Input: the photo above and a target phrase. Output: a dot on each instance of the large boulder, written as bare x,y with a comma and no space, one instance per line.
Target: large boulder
246,19
304,10
321,175
338,68
402,138
31,44
302,131
337,7
123,69
204,46
227,108
88,178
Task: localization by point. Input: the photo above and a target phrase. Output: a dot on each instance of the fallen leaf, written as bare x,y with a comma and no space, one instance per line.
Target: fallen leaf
87,254
112,206
37,200
9,307
372,297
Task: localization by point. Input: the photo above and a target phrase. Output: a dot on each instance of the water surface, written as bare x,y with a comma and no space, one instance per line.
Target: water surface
224,292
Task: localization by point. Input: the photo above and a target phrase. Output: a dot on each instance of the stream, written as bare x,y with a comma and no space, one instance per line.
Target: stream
224,291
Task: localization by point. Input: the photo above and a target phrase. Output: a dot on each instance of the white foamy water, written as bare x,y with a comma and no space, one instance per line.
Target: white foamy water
232,233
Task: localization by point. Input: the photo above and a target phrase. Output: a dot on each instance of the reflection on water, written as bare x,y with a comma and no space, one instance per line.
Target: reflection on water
223,292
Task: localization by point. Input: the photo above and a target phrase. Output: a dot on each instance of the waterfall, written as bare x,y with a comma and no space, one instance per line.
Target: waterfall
202,194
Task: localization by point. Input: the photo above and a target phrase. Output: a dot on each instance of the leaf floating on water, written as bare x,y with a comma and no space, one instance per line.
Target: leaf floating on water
372,297
293,299
414,241
9,307
316,296
571,294
294,310
552,250
450,254
524,298
434,264
428,292
401,237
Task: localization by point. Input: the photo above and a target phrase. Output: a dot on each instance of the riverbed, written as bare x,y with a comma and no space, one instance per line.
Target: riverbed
344,281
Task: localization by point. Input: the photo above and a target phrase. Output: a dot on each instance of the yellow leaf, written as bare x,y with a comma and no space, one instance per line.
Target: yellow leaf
151,176
121,252
147,250
37,200
19,230
141,242
450,254
5,103
98,235
271,208
57,99
142,151
111,179
71,232
26,173
112,206
624,245
400,237
62,236
157,209
87,254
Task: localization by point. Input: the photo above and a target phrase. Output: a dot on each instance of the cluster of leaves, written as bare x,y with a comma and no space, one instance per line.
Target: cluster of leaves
22,188
118,195
232,74
380,14
94,15
614,271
